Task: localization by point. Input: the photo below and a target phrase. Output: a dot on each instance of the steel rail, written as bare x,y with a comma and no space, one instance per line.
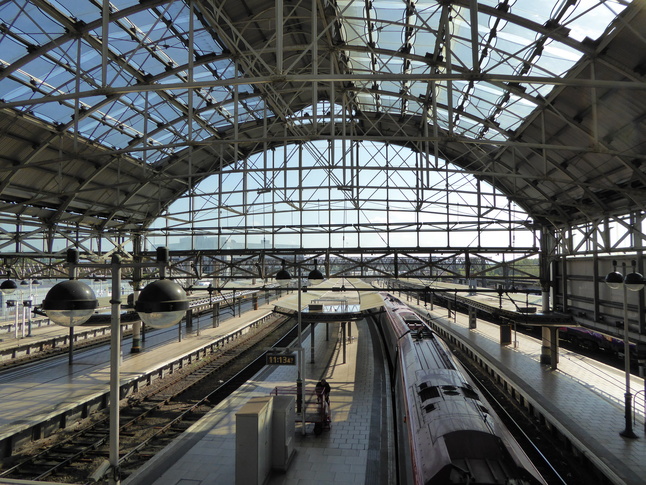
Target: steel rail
501,409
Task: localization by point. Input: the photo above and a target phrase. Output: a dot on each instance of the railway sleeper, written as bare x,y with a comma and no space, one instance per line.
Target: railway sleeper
45,465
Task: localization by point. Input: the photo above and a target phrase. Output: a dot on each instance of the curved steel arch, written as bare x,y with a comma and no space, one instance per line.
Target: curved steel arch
62,172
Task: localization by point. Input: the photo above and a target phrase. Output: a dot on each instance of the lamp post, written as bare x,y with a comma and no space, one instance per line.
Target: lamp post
283,277
32,297
13,304
24,284
160,304
8,287
634,282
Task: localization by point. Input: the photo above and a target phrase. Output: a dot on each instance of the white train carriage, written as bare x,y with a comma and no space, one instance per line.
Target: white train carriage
446,434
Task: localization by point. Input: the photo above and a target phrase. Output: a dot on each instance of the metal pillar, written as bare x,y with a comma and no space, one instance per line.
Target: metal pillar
115,363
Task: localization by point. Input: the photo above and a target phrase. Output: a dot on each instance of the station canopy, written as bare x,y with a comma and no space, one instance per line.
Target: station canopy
110,111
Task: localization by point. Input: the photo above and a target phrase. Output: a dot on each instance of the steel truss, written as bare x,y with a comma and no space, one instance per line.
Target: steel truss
322,130
509,268
204,85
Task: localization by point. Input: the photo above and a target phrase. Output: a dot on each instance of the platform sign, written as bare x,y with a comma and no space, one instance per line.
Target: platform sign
281,359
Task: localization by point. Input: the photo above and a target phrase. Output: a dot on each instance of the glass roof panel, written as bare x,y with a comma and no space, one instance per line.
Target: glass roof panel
85,11
154,42
590,18
511,46
33,25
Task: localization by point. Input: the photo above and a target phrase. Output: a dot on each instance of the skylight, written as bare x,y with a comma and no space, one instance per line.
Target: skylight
44,64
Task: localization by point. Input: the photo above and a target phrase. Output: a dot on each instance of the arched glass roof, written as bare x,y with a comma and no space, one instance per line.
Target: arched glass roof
110,111
390,47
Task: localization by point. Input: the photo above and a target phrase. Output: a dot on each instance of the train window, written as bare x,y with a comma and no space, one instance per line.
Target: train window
470,393
428,393
429,407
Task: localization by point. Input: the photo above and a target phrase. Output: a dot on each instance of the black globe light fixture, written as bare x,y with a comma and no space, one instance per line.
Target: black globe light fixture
634,282
283,277
8,287
70,303
162,304
614,279
315,277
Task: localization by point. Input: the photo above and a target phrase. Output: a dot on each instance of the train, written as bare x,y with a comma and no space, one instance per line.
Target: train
445,431
594,341
587,339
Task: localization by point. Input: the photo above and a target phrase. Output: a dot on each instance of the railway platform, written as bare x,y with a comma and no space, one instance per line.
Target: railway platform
357,449
582,399
47,395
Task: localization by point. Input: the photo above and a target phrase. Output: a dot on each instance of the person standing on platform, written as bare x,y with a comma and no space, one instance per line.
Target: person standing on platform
325,389
323,393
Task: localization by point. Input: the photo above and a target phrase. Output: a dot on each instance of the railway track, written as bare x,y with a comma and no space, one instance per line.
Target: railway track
152,418
45,349
551,458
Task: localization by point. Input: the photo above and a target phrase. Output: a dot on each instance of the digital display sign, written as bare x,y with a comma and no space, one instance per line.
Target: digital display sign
281,359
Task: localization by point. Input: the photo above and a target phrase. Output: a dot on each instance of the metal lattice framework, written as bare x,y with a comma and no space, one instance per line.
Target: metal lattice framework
330,125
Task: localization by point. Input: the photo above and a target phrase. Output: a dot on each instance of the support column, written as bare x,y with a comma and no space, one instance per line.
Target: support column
70,354
550,347
115,368
545,300
136,338
216,315
554,346
312,344
189,318
505,333
179,329
136,289
547,244
343,340
639,226
73,276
